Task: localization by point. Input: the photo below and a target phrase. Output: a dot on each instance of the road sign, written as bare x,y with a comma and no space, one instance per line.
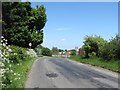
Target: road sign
30,44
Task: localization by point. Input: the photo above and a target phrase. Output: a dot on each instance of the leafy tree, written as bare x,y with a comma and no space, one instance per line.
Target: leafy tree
55,51
111,50
23,24
60,50
65,50
93,44
86,47
73,52
46,52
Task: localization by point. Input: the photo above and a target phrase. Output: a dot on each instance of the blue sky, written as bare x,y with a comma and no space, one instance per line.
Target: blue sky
68,23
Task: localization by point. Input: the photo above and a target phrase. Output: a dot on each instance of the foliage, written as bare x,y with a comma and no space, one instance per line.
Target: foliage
12,56
73,52
86,47
46,52
38,50
93,44
66,50
55,51
102,48
23,24
111,49
60,50
31,53
17,54
93,54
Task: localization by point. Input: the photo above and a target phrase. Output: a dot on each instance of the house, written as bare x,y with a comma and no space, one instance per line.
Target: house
69,52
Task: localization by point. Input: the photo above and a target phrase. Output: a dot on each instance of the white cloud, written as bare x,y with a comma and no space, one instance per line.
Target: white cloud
62,29
62,39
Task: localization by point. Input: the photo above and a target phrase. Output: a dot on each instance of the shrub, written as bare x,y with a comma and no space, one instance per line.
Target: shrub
93,54
46,52
17,54
111,50
31,53
73,52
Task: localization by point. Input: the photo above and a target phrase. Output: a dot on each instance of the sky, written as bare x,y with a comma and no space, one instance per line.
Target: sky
69,22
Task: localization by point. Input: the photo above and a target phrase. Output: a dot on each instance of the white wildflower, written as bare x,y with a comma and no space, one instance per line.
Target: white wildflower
14,73
7,69
10,65
2,71
15,79
31,53
6,40
8,61
4,44
9,50
6,55
18,74
1,41
2,64
11,71
18,64
15,53
2,37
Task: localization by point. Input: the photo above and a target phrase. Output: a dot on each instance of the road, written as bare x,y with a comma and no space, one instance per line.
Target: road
48,72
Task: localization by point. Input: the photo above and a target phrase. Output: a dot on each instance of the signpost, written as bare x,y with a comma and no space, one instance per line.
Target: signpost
30,44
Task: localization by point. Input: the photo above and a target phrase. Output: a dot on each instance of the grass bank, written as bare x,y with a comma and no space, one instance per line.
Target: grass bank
17,65
20,72
112,65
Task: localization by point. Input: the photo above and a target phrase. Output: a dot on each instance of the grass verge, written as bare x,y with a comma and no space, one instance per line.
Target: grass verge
112,65
20,72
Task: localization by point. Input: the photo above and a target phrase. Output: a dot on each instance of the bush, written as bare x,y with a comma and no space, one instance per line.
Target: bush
93,44
93,54
73,53
31,53
46,52
17,54
38,50
111,50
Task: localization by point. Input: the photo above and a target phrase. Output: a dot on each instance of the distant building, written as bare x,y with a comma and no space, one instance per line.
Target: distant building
69,52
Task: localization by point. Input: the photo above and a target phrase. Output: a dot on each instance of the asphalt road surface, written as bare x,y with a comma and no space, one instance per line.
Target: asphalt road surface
50,72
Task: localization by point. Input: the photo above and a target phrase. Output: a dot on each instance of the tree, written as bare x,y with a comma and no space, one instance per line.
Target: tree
65,50
86,47
55,51
73,52
111,50
60,50
46,52
23,24
93,44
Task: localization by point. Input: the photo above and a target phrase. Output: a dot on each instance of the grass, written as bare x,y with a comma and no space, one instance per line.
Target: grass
20,72
110,65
